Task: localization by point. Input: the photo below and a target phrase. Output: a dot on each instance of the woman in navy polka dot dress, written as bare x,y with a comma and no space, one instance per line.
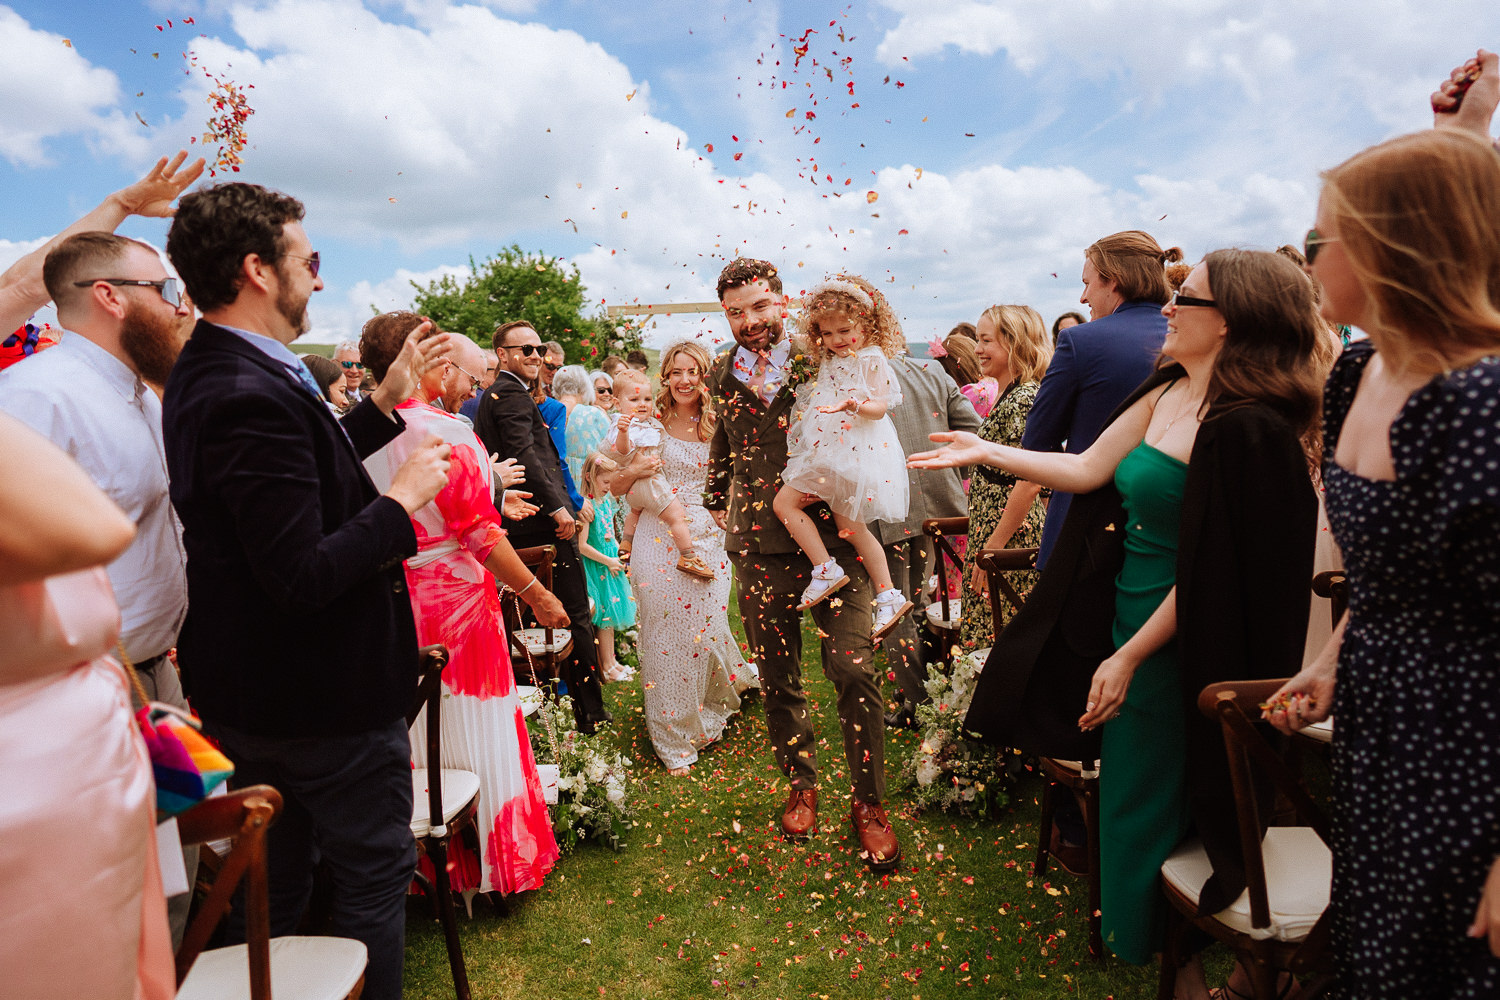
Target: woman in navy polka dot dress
1407,247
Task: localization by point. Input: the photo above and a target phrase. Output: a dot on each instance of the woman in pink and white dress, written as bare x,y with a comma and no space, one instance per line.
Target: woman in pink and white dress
461,550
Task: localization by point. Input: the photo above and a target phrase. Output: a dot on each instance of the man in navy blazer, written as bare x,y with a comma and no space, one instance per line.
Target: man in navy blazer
1097,364
299,649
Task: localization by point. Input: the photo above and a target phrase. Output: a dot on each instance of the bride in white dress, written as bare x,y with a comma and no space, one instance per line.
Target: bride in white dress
691,670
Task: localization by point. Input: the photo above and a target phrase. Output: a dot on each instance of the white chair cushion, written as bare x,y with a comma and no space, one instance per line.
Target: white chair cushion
459,787
530,697
1320,731
935,614
1077,765
535,640
1299,872
302,968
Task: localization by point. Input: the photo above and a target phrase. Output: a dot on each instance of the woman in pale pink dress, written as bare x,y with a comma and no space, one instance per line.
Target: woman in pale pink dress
461,549
83,912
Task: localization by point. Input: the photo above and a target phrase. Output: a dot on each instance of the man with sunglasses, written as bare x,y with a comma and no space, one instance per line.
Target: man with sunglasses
91,395
299,649
346,355
511,426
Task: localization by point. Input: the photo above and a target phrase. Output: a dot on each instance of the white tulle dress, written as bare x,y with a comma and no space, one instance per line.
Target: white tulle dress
853,463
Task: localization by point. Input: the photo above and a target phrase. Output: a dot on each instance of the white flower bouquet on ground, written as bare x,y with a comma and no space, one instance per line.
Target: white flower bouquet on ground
593,781
949,770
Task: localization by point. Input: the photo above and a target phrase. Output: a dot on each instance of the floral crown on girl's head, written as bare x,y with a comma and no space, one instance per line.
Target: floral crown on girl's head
843,287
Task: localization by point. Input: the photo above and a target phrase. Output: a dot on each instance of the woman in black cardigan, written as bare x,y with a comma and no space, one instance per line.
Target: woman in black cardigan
1209,552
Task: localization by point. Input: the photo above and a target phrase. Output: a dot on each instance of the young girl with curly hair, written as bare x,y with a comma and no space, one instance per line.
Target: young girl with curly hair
842,447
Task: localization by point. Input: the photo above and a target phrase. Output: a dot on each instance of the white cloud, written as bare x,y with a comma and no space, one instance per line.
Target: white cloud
50,90
334,318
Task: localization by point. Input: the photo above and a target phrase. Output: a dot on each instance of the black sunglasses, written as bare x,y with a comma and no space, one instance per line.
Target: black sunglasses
527,350
1178,299
552,367
166,286
313,263
1312,243
603,390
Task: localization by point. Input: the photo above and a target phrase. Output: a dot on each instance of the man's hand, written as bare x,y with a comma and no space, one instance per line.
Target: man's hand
586,512
422,476
152,195
1476,107
721,518
565,525
515,508
509,472
414,361
547,608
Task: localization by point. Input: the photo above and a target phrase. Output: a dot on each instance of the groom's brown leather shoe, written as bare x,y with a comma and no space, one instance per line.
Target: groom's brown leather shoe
876,838
799,820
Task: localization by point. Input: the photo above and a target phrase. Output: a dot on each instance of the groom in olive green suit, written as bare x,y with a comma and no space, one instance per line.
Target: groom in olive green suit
752,392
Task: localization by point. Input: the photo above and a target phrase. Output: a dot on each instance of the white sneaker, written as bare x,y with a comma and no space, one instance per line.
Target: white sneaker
890,608
825,580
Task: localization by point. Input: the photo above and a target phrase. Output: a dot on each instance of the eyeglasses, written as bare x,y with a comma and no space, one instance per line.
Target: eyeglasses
166,286
527,350
471,378
552,367
350,364
1313,242
603,390
1178,299
313,263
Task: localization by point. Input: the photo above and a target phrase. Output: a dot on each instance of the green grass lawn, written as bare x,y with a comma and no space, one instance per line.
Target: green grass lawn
705,899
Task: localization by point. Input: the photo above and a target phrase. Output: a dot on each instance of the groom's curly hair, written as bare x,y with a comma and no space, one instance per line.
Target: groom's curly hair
745,270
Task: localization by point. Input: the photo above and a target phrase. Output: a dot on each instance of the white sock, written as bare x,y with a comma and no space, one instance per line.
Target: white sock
892,596
827,571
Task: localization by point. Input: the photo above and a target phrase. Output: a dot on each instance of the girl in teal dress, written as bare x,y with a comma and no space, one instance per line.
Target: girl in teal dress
1211,462
609,586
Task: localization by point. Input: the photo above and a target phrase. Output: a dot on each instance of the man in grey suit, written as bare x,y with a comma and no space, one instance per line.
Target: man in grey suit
930,402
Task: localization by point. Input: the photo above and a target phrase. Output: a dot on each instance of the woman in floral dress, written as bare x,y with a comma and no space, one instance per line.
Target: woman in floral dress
691,669
1013,349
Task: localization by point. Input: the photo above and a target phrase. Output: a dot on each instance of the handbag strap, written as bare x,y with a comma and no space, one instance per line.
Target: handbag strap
130,671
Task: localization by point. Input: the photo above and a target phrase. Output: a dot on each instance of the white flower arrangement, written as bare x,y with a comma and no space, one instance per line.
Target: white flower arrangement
592,783
948,769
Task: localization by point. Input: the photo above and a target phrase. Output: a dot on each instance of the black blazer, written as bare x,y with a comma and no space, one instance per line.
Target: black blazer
1244,567
299,622
511,426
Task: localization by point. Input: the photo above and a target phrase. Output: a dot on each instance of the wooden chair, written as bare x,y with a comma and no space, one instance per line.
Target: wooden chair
1080,777
1334,585
535,647
944,614
444,803
325,968
1278,924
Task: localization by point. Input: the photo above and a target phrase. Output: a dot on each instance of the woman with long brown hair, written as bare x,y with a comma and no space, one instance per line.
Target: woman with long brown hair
1185,559
1407,248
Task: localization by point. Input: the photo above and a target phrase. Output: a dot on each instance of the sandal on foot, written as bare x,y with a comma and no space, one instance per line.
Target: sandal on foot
820,589
888,615
694,565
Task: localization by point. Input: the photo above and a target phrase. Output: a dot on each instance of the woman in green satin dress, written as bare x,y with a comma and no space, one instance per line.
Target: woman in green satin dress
1255,346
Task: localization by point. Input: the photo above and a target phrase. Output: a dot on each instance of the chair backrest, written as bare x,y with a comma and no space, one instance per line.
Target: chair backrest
940,529
1231,704
243,816
998,562
539,559
430,698
1334,585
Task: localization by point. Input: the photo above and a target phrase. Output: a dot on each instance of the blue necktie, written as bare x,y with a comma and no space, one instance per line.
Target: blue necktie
305,377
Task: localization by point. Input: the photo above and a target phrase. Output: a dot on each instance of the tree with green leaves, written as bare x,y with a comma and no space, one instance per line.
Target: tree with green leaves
516,285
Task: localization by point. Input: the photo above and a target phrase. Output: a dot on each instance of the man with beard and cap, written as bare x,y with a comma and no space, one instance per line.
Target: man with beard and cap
299,650
753,388
91,396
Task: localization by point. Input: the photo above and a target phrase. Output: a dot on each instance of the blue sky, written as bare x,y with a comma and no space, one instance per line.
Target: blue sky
420,132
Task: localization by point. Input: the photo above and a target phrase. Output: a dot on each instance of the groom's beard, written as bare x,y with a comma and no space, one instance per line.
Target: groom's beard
771,328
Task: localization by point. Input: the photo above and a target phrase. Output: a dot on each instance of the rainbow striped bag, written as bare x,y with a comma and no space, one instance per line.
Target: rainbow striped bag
185,765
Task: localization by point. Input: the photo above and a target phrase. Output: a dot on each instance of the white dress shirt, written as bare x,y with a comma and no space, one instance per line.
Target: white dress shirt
88,403
745,361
